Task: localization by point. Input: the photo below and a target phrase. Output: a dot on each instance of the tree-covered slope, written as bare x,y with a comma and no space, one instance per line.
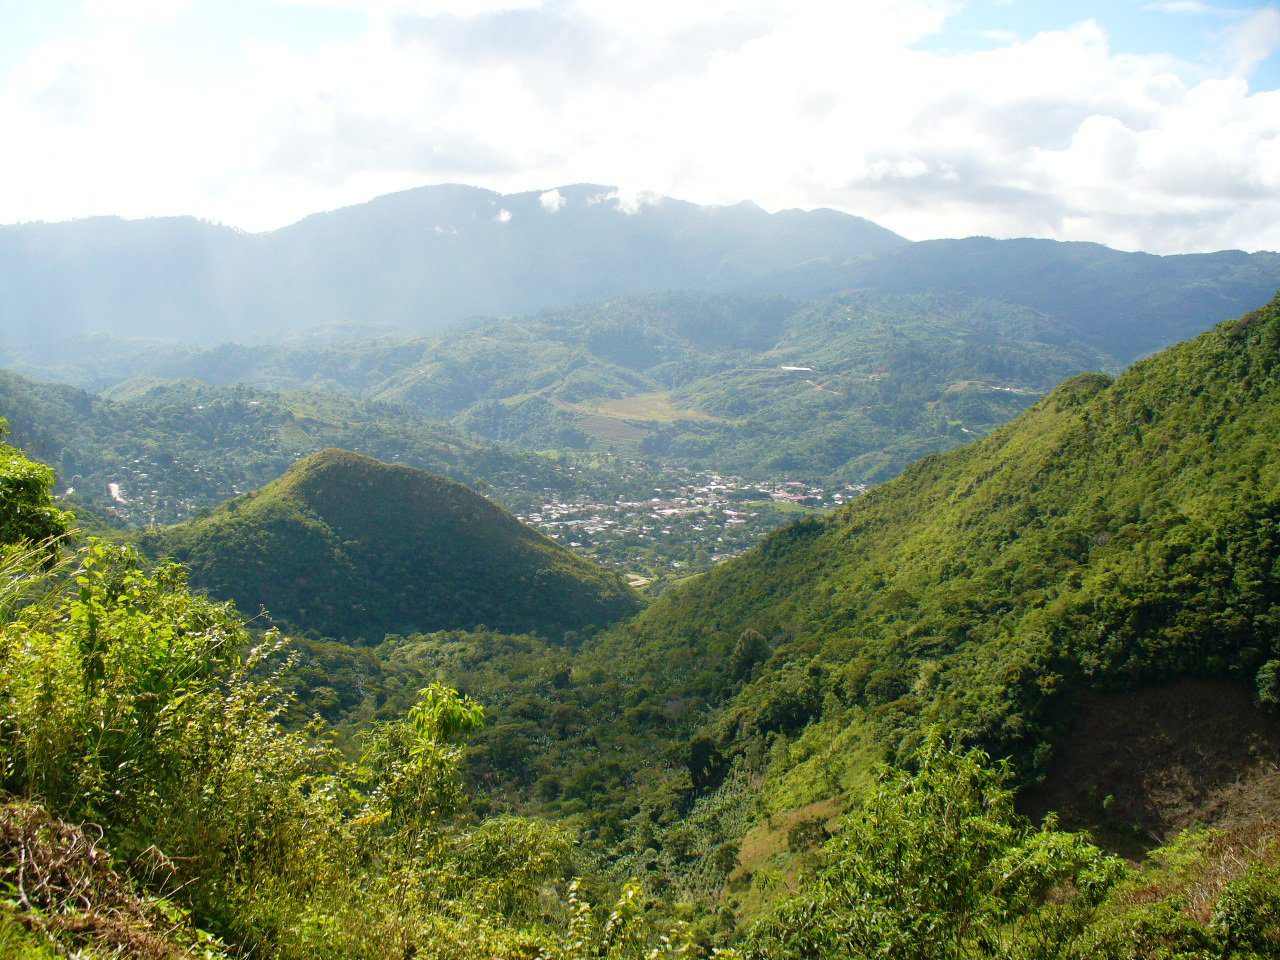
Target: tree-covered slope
1127,304
853,388
1117,534
346,546
175,448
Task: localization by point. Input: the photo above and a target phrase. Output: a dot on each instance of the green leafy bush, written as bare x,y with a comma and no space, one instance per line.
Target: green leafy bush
937,864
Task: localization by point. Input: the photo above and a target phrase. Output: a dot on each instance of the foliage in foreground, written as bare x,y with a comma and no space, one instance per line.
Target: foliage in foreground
938,865
129,703
153,805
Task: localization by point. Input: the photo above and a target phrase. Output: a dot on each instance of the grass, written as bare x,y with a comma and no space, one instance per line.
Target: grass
766,862
650,407
615,433
784,506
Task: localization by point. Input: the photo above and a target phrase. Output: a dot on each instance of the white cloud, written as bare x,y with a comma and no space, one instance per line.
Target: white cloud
816,103
629,201
1254,39
552,201
502,216
426,8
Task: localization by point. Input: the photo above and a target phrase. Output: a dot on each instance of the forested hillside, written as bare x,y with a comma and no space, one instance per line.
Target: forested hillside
1068,592
345,546
1118,534
852,388
1115,540
173,448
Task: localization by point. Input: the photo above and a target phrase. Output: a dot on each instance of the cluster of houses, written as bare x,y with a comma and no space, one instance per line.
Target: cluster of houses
704,519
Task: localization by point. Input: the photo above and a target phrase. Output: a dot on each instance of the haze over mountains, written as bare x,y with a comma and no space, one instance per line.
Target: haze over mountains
423,260
1099,557
415,261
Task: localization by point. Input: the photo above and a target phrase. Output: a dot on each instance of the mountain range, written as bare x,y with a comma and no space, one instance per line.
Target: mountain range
424,260
414,261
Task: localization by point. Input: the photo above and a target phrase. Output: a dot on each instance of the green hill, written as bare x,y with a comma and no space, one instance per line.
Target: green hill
1116,533
853,388
346,546
1118,539
174,448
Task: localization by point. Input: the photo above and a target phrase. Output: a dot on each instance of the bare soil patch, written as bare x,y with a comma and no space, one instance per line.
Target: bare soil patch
1135,767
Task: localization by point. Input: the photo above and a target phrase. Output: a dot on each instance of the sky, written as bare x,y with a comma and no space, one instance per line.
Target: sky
1143,124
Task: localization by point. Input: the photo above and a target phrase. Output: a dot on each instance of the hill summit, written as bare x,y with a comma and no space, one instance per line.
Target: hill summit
347,546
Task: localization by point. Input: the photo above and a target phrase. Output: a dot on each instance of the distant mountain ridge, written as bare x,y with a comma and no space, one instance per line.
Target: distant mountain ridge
349,547
416,261
1128,304
854,388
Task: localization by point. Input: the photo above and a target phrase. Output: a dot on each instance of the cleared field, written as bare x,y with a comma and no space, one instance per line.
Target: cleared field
618,434
653,407
958,386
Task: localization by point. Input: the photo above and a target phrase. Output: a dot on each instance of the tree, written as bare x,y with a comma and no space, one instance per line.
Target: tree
1268,683
938,865
413,765
752,648
27,511
705,762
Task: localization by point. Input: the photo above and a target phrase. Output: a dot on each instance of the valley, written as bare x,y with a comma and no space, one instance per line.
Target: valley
571,480
687,526
675,623
163,452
